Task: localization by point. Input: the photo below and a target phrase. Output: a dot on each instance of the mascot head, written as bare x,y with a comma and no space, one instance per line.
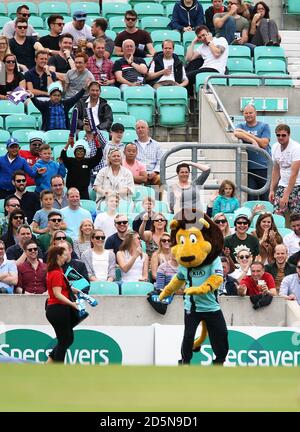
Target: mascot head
196,239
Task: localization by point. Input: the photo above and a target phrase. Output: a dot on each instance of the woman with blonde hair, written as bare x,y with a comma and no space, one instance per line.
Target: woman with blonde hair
153,236
83,242
268,236
162,255
222,222
132,261
4,47
244,260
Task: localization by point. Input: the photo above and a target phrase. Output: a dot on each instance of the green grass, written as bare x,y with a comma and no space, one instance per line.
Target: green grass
28,387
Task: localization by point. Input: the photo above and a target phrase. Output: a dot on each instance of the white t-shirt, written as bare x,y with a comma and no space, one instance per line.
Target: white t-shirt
100,264
167,63
106,223
285,159
143,144
85,33
292,242
210,61
136,271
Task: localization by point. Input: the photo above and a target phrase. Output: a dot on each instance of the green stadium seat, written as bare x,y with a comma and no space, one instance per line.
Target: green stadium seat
7,107
48,8
32,109
4,136
134,2
91,8
56,151
90,19
2,205
1,122
178,49
267,52
118,107
141,102
158,36
89,205
284,231
201,77
42,32
3,150
243,82
238,51
157,23
36,22
293,7
172,105
116,23
165,3
22,135
128,121
114,9
20,121
124,206
12,8
169,10
142,192
104,288
136,288
57,136
3,10
278,219
149,9
3,21
160,207
266,66
237,65
230,217
187,38
280,81
109,93
129,136
92,194
111,34
268,206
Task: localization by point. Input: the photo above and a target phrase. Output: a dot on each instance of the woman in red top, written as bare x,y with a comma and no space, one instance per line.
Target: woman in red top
59,306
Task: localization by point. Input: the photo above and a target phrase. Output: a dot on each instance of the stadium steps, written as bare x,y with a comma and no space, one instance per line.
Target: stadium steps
290,43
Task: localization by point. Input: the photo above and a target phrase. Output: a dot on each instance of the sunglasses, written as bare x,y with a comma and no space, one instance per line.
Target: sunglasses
165,241
220,221
25,15
80,16
159,220
55,220
18,217
14,205
99,237
22,27
10,61
130,19
281,135
59,185
298,267
60,24
242,223
20,181
121,222
34,249
60,238
244,257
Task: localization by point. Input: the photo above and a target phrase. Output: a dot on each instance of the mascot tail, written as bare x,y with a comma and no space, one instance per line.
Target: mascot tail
201,338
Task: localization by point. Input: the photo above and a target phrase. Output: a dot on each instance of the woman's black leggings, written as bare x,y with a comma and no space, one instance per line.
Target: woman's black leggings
62,320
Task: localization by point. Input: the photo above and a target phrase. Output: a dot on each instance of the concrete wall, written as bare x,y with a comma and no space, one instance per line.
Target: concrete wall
136,311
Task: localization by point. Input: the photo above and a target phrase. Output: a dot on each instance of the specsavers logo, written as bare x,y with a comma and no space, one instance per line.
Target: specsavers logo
281,348
89,347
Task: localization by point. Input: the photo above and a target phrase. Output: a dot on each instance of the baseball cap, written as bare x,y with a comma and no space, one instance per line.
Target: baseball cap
116,127
242,212
36,136
55,86
36,139
80,144
79,15
11,142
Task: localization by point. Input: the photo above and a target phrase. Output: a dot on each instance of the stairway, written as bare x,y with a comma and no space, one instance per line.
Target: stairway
290,43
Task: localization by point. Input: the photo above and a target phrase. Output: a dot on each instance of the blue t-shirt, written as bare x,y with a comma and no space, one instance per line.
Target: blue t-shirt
261,130
223,204
195,277
41,217
74,219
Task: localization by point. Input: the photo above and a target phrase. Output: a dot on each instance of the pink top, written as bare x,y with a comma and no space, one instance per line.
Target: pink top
136,168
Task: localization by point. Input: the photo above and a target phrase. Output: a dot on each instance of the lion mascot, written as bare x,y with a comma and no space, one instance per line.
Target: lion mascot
197,244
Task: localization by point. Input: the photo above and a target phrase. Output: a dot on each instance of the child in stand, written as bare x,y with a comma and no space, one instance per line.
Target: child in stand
40,219
226,201
43,181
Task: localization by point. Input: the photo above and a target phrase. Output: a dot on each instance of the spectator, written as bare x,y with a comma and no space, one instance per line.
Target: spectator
8,272
24,47
32,155
102,112
280,267
137,169
74,213
162,255
29,201
39,77
226,201
152,237
21,13
149,152
76,264
142,47
129,70
184,193
240,237
290,285
32,272
100,65
166,68
105,221
258,134
50,168
55,222
148,205
133,262
98,29
250,286
80,31
285,183
222,222
165,273
92,140
76,79
100,263
263,30
83,242
13,77
62,62
10,163
114,241
51,41
216,7
4,48
10,203
79,167
114,178
229,285
268,236
40,219
211,56
15,251
59,194
244,260
187,15
292,240
57,237
55,112
117,132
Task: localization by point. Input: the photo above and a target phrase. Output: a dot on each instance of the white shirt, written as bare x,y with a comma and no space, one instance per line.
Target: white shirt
106,223
210,61
292,242
285,159
136,271
167,63
85,33
100,264
94,110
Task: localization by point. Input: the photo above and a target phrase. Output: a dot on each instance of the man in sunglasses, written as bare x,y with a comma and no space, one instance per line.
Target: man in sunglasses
285,183
51,41
32,272
32,155
16,252
258,134
30,202
78,28
9,28
54,223
114,241
8,272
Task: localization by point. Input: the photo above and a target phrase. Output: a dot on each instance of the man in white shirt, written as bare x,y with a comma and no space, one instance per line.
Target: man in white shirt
9,28
80,31
292,240
214,52
285,183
